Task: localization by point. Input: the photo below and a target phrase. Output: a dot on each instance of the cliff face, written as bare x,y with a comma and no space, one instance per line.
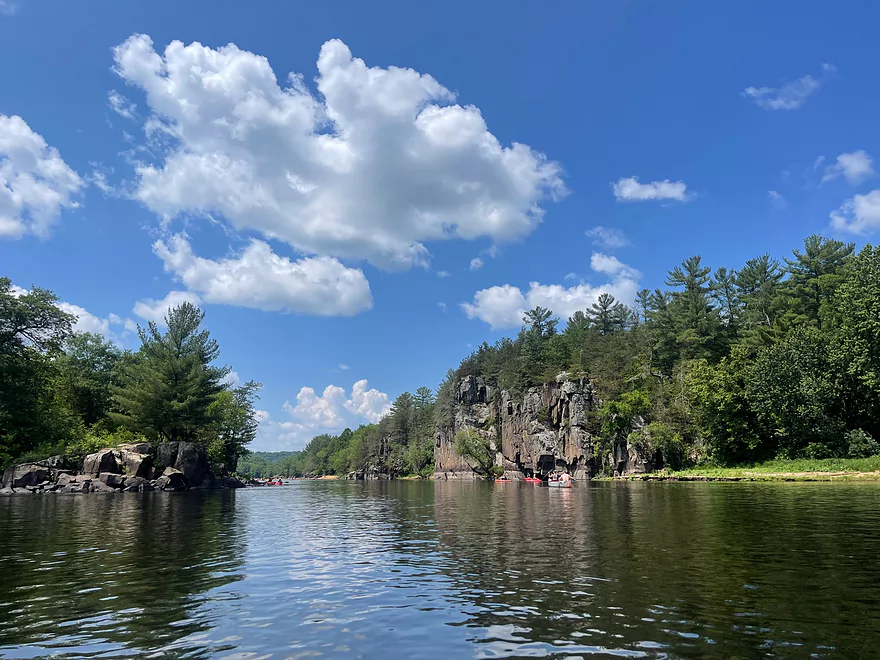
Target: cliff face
531,435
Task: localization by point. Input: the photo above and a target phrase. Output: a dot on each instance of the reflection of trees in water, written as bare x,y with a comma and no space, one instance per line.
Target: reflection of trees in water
752,568
101,572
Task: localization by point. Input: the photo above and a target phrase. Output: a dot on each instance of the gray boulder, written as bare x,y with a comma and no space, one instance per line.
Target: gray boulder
136,464
98,486
138,448
172,479
189,458
105,460
111,479
83,486
24,475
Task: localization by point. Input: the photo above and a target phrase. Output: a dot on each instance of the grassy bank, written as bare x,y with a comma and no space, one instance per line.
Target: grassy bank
830,469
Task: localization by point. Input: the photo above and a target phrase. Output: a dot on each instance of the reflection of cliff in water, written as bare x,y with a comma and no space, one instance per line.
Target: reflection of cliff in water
111,572
708,570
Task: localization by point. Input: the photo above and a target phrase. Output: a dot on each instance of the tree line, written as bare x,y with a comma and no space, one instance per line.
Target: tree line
402,443
772,360
71,393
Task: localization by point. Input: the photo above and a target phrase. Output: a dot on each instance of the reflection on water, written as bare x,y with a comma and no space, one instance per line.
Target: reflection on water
413,569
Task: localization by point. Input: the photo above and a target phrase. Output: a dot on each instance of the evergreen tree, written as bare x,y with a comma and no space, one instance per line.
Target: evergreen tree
167,389
814,274
607,315
758,289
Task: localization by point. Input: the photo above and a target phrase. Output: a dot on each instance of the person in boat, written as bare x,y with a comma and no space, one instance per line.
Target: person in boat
564,478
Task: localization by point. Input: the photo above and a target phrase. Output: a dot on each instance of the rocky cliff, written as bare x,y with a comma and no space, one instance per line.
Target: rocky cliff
532,435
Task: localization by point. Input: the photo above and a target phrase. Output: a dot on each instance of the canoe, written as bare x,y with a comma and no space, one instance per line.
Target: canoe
532,480
555,483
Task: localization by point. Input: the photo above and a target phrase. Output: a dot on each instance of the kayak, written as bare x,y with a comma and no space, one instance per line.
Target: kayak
504,480
532,480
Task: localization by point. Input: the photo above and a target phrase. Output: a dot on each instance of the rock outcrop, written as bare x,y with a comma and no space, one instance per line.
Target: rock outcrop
25,475
533,434
136,467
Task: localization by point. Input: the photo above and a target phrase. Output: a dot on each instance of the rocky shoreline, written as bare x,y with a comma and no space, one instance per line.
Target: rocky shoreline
138,467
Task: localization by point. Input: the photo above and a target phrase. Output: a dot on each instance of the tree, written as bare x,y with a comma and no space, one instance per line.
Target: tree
856,342
167,388
31,319
87,373
697,322
475,448
758,290
607,315
233,425
814,274
32,331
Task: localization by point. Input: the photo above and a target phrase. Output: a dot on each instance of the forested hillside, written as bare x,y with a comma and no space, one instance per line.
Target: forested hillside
774,359
71,393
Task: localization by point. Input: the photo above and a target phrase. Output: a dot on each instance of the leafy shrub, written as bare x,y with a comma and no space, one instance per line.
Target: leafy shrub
861,445
668,443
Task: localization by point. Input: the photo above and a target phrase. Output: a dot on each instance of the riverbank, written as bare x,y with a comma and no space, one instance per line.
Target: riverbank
831,469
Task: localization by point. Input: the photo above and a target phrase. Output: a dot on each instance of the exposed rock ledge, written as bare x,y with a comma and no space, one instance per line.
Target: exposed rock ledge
140,467
534,434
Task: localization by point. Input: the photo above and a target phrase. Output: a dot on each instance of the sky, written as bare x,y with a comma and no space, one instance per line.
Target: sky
358,194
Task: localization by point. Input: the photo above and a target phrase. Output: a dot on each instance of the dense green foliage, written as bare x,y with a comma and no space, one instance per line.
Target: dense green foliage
771,360
65,392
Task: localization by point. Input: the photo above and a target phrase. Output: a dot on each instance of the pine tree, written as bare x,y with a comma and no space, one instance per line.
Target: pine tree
169,384
814,274
758,290
697,322
607,315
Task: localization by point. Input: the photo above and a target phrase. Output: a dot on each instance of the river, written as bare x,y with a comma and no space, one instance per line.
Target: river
445,570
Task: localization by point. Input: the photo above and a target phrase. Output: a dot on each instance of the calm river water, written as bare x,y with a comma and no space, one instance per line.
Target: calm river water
445,570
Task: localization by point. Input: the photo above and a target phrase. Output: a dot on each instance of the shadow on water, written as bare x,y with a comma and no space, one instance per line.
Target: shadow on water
443,570
121,575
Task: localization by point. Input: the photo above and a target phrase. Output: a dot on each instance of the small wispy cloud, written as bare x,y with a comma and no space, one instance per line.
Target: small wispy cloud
476,263
344,367
790,95
443,273
608,237
777,200
8,7
442,306
120,105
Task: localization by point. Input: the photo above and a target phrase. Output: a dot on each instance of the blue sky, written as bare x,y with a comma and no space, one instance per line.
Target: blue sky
352,230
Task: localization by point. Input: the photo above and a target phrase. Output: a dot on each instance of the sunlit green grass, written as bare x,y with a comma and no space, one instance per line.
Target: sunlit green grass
783,469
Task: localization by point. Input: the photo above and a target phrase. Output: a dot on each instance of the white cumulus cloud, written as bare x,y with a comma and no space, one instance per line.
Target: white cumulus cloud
608,237
630,190
369,404
378,164
855,167
790,95
312,413
261,279
858,215
157,310
504,306
318,412
35,183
